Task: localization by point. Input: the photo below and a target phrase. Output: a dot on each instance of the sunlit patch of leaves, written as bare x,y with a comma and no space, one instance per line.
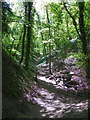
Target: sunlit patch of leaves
81,59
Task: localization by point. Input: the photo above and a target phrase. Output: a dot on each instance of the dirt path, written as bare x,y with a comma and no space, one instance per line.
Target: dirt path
56,100
57,104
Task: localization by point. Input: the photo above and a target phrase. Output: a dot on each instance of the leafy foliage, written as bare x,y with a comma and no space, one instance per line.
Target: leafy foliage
48,33
81,59
7,15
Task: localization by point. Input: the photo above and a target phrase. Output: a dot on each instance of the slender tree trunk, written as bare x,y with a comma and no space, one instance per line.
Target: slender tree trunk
68,28
23,44
44,49
50,58
49,42
20,38
17,47
24,34
74,22
42,40
29,32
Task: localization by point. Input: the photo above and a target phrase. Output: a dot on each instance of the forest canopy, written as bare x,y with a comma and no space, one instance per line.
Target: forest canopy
57,26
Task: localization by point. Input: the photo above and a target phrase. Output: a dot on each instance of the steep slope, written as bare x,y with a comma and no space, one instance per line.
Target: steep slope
14,83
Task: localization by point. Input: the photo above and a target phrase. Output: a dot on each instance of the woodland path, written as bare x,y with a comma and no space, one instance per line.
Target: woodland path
55,102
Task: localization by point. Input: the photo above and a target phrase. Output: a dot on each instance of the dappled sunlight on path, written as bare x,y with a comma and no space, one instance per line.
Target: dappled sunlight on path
55,97
43,78
55,105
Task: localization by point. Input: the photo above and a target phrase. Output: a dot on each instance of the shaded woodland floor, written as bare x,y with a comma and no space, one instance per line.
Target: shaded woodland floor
24,98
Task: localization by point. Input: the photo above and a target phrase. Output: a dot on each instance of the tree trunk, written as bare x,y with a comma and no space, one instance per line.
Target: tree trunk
44,45
83,37
68,33
20,38
23,41
17,47
49,42
82,28
24,34
29,32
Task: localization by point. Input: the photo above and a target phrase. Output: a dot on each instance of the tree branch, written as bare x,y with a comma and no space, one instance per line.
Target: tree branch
74,22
